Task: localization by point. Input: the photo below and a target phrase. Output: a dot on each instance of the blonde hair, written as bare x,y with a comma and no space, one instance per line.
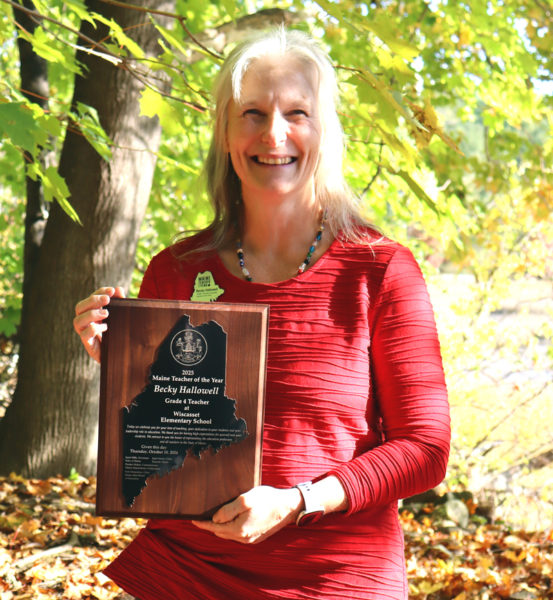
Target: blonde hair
331,190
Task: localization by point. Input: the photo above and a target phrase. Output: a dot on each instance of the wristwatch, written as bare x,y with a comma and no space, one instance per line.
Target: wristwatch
313,510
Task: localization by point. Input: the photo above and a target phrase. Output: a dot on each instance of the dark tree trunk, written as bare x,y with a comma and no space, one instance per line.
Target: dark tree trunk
33,72
51,423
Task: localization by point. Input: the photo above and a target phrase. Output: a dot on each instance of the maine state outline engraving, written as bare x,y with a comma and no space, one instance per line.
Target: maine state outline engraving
183,410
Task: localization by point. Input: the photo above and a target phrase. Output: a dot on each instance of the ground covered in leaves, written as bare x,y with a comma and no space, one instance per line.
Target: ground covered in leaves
53,546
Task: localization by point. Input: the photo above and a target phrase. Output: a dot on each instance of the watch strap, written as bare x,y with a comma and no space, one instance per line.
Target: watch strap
313,509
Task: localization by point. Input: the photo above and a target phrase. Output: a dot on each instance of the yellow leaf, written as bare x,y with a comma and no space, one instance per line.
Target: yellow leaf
427,125
153,103
89,519
29,528
39,487
465,36
426,587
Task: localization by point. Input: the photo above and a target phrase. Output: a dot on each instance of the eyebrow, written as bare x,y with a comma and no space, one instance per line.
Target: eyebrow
303,100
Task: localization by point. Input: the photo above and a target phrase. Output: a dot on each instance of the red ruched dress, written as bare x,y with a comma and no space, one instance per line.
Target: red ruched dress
355,388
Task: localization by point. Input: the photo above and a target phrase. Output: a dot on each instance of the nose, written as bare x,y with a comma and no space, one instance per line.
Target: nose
276,129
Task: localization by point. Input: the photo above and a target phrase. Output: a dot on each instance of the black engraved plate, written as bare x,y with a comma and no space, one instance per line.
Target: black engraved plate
183,411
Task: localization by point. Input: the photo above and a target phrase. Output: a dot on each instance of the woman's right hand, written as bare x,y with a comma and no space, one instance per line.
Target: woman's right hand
90,314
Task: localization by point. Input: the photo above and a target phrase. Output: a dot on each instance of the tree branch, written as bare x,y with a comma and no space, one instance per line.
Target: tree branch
508,415
540,461
377,172
24,563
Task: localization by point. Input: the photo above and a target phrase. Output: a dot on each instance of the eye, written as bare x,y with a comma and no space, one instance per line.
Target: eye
253,112
297,113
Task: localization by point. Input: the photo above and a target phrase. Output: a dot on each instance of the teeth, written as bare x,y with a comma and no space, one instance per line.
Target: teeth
274,161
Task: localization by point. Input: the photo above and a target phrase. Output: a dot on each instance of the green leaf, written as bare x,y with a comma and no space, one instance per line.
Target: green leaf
416,189
90,127
9,322
179,165
79,8
20,126
230,7
50,124
387,31
43,45
74,475
120,36
54,187
332,9
152,103
17,124
391,97
368,94
170,37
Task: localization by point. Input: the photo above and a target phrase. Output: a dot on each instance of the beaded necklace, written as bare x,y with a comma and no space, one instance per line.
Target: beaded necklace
301,268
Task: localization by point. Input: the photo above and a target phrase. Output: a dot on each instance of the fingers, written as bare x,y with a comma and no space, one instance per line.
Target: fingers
119,292
99,298
84,319
91,338
89,316
230,511
237,530
228,522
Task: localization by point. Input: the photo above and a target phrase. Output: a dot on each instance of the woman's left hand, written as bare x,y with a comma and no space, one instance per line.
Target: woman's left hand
255,515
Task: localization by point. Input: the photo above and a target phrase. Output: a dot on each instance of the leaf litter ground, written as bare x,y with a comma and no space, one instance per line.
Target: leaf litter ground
53,546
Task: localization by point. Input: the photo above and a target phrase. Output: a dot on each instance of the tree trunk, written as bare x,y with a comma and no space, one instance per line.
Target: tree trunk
51,424
33,72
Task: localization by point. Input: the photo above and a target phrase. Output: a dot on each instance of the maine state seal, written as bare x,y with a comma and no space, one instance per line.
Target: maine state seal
188,347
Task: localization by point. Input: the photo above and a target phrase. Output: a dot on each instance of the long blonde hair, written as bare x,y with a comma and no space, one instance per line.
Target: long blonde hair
332,192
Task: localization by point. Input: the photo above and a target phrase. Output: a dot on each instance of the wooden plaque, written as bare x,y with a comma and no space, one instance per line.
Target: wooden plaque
181,406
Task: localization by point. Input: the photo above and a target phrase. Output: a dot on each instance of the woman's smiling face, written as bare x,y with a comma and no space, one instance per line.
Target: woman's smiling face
274,134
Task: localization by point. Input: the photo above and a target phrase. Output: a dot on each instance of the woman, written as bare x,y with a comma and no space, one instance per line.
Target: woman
356,410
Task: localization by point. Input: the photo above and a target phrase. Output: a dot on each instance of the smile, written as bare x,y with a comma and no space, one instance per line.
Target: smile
274,160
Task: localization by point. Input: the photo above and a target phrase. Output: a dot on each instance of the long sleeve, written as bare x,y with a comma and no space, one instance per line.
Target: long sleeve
410,390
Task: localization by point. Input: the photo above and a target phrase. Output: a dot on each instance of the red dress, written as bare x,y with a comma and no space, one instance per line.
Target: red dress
355,388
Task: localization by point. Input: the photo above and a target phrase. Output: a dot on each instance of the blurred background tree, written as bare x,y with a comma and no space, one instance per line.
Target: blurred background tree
447,111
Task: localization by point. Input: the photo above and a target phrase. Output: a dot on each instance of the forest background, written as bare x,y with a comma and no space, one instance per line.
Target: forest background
447,109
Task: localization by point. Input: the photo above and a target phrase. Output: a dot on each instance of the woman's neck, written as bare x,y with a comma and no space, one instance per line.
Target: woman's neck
281,228
275,240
